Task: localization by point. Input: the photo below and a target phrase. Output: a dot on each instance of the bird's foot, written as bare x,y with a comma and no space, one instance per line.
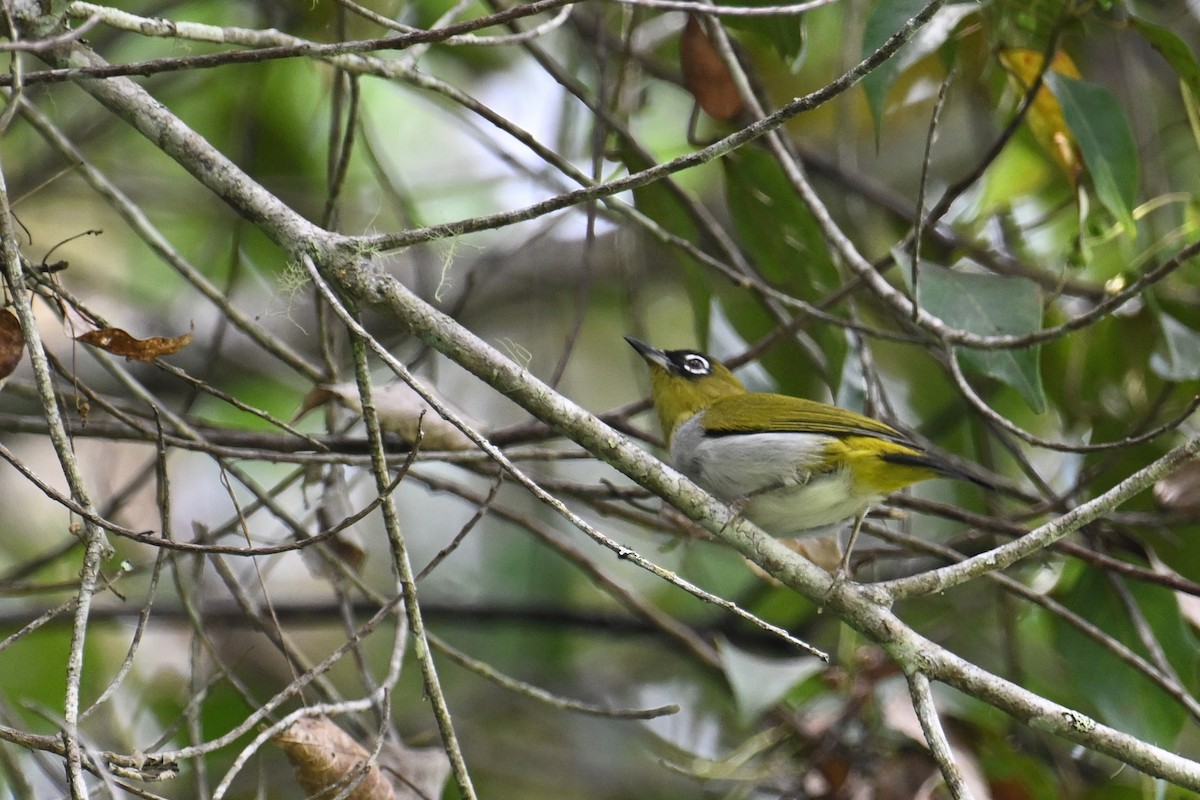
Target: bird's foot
737,505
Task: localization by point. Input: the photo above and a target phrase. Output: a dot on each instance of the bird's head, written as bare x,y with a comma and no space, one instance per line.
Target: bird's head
684,382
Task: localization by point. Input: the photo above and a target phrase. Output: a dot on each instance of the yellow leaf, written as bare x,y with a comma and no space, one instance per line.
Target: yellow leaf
1045,116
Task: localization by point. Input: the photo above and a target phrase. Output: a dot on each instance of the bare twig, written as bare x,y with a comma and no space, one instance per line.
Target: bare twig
935,737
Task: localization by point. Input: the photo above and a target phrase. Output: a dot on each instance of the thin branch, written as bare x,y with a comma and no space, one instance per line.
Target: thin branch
710,9
97,69
861,606
939,746
1040,538
96,547
401,563
541,695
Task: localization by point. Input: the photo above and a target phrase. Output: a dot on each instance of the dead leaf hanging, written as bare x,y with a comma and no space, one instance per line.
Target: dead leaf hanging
705,74
12,343
120,343
326,757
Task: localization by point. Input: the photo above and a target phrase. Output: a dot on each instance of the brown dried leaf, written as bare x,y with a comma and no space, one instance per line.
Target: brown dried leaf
705,74
1180,491
12,343
120,343
326,758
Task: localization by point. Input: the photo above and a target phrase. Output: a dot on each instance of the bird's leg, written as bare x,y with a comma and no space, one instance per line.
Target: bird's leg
843,570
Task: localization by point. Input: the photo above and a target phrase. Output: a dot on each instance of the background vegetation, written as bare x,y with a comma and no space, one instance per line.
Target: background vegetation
268,198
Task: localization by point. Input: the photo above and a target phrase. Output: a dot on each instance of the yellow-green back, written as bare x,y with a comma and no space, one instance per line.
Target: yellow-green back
780,413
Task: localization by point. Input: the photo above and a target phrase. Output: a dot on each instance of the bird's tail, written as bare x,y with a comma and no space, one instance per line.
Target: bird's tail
937,465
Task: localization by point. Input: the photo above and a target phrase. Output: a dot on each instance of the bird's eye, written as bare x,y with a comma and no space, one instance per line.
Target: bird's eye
696,365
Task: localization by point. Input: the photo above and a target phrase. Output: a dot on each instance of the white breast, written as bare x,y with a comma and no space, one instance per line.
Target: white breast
734,467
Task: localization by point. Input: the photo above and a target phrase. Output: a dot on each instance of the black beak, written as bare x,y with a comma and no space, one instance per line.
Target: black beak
652,354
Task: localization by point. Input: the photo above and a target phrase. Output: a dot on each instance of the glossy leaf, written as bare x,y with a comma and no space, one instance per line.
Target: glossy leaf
990,305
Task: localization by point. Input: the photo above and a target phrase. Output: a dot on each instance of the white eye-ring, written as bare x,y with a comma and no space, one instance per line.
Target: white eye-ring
696,364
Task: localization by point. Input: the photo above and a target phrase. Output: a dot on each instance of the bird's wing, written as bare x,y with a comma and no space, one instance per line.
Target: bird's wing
780,413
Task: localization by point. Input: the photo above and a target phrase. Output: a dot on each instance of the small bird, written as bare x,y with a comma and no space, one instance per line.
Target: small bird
787,464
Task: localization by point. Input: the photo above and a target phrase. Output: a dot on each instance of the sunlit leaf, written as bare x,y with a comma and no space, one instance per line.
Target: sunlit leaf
120,343
990,305
1105,141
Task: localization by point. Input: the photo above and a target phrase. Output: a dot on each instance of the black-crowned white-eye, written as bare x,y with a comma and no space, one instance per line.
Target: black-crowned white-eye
787,464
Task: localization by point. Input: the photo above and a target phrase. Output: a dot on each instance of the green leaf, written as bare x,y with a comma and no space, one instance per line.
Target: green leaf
1123,696
1179,357
656,201
990,305
887,17
784,34
777,231
1104,140
1173,49
759,683
775,226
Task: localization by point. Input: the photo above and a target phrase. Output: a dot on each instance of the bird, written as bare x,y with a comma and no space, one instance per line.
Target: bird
788,464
